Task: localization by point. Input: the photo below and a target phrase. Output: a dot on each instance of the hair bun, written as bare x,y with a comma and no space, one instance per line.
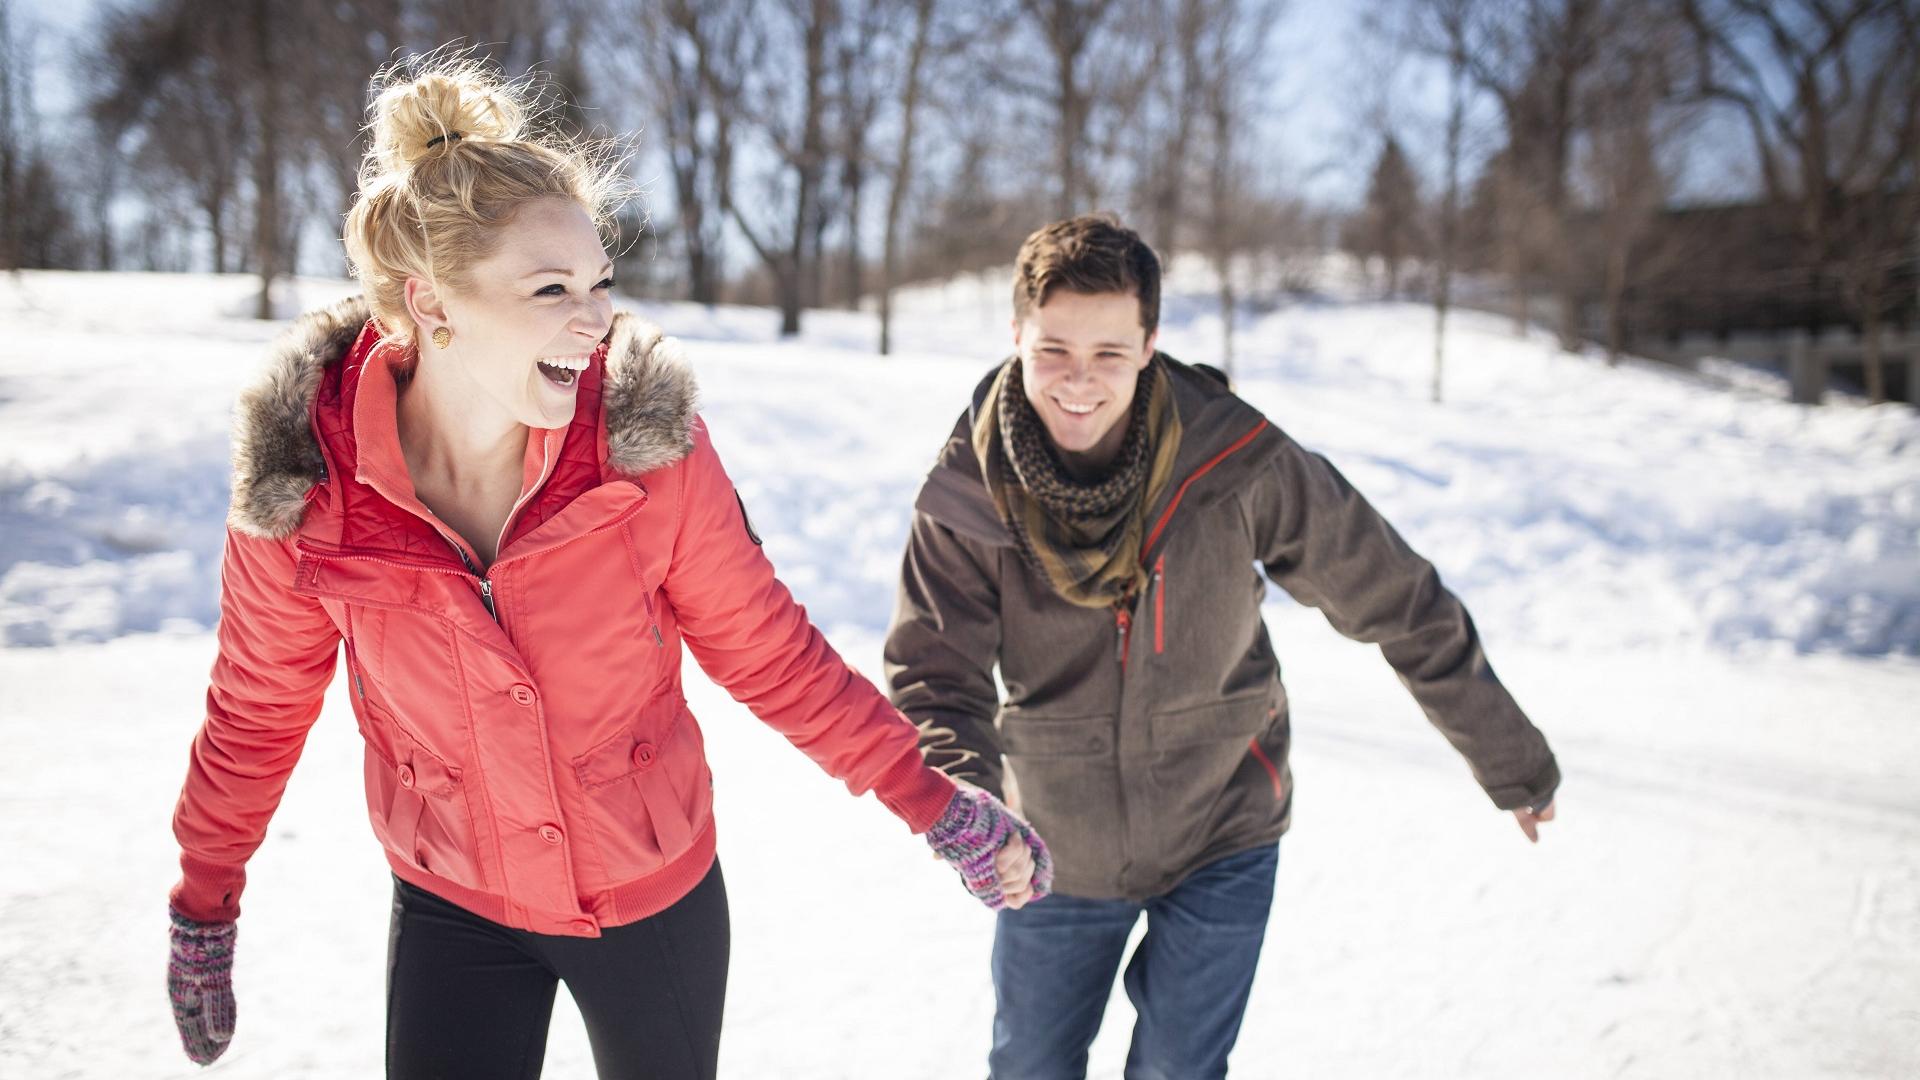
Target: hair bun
423,117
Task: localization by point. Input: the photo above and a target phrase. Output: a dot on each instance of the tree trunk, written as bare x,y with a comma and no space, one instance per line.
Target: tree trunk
1872,357
1450,211
1616,295
788,286
902,173
856,179
1223,268
266,163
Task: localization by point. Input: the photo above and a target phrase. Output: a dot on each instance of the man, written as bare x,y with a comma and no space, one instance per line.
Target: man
1093,527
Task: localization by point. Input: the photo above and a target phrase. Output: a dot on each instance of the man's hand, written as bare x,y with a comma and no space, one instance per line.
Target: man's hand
1530,821
1014,863
1001,860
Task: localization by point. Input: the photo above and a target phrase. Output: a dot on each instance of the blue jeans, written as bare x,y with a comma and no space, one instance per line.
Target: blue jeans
1054,962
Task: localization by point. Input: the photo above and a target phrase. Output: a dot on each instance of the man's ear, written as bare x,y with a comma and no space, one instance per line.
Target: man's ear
1153,345
424,305
1016,331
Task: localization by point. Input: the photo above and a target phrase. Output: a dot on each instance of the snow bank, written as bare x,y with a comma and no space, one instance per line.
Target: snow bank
1569,502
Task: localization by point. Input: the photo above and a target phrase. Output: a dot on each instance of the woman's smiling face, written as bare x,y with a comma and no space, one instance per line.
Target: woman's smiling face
534,311
1081,355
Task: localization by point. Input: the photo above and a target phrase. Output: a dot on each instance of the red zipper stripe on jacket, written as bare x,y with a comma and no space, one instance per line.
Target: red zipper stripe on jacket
1279,792
1160,604
1167,514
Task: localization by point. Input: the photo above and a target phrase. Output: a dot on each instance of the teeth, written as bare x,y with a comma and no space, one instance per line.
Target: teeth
1077,410
570,363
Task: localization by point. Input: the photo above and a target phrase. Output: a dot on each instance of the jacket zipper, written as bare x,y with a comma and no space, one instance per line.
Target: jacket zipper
1159,604
486,586
486,583
1124,622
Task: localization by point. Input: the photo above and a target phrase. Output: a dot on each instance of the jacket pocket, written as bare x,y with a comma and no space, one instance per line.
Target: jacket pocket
420,807
1235,720
649,790
1023,734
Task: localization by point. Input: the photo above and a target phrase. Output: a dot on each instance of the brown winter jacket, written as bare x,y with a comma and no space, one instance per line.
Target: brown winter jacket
1144,744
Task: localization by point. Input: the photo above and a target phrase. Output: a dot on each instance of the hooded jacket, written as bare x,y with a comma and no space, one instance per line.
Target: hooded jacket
1146,741
529,751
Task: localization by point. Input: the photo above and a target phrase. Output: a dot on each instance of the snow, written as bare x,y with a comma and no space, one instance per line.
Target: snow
1708,598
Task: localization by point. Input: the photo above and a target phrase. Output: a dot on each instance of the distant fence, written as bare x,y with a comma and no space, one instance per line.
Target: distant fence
1808,360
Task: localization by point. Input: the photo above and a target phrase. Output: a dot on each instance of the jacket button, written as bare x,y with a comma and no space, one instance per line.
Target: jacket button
406,777
643,755
584,926
550,834
521,693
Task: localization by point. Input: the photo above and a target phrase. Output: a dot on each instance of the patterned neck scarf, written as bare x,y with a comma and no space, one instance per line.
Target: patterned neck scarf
1083,536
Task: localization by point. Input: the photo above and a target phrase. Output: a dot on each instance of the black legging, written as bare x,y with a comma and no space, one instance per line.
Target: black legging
471,999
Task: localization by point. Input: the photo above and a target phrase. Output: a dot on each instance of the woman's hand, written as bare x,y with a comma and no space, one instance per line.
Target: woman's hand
1000,858
200,985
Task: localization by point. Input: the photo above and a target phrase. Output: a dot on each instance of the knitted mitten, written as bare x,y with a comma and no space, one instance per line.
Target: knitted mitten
200,984
972,830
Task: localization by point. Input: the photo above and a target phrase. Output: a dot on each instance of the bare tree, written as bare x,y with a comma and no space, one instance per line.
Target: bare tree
789,114
901,176
1533,59
1450,18
1830,97
1633,124
1231,45
696,56
16,65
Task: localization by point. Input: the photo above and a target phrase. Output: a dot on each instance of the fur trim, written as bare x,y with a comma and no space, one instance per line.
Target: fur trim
649,397
276,459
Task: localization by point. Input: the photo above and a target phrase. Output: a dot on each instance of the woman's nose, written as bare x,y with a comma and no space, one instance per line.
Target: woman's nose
593,318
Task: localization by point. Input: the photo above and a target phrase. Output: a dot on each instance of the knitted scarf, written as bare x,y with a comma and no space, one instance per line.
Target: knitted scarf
1084,537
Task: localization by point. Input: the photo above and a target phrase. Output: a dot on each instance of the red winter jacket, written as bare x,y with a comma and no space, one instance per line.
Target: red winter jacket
529,752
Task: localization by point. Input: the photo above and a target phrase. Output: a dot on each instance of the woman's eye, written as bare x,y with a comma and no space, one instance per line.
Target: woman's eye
605,283
555,289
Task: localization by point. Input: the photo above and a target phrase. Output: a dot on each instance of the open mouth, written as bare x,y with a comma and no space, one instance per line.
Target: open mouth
562,370
1073,409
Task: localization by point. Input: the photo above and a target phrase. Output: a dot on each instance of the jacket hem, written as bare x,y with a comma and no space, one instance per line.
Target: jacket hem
627,902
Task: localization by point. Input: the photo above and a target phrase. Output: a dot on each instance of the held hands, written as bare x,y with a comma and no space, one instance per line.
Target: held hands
200,985
1530,819
1000,858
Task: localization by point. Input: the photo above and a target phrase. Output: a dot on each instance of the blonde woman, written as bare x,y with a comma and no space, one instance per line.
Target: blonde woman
498,496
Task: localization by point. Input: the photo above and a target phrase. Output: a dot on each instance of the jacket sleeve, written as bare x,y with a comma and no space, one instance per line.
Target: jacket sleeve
750,636
275,660
941,649
1320,540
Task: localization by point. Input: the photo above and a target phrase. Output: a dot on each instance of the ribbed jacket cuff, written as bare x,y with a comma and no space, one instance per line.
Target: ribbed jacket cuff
916,794
1515,796
208,891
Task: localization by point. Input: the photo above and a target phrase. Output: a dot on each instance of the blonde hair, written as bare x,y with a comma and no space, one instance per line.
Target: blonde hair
453,157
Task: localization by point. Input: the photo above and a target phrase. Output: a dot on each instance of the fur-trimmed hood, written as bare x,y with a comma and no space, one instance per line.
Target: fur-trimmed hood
648,401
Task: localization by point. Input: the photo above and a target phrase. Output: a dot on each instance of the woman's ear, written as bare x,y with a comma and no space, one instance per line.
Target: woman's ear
424,305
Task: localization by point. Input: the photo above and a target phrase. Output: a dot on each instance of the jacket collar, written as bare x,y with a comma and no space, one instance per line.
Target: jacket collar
648,403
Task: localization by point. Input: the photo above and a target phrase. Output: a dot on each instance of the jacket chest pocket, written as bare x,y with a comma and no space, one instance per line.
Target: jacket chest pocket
649,790
419,805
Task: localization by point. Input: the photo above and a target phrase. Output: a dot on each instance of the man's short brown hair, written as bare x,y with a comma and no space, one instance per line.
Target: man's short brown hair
1092,253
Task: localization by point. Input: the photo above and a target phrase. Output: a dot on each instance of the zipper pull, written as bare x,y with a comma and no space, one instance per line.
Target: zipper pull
657,639
486,597
360,686
1122,620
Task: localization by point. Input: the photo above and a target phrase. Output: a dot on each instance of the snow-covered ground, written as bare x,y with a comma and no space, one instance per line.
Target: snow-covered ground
1709,599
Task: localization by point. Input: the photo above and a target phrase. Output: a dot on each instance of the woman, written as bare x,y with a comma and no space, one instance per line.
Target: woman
497,494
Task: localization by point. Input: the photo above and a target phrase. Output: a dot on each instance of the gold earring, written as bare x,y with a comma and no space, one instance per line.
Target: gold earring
442,336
